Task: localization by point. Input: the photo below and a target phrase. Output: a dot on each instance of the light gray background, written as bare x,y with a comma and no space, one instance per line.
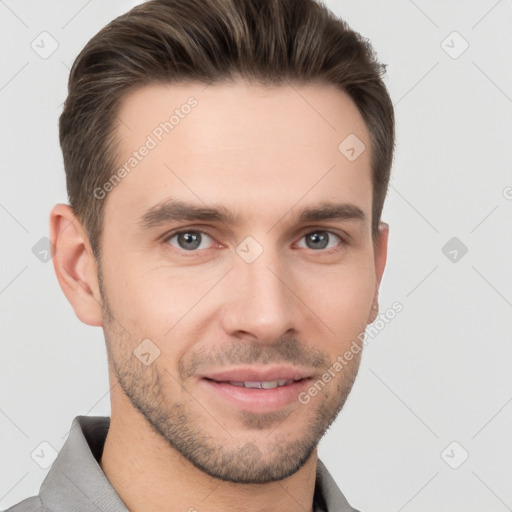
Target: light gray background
438,373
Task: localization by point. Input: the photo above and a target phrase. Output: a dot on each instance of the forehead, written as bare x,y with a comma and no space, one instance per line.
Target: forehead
240,144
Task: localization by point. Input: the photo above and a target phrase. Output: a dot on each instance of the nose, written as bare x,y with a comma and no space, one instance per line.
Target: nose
260,303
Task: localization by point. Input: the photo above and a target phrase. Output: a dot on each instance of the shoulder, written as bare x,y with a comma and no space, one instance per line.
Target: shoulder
32,504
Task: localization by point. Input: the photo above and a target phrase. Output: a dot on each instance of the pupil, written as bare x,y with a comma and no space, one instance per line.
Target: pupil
191,240
319,236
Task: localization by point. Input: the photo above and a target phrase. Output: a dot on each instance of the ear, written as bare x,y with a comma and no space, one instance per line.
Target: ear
75,265
380,252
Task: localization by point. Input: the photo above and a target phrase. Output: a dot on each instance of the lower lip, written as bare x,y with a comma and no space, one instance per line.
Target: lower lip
254,399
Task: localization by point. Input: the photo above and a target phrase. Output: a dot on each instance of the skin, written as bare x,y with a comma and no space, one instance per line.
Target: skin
263,153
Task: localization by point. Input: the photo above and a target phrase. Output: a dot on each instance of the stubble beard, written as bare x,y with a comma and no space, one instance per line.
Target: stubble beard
199,436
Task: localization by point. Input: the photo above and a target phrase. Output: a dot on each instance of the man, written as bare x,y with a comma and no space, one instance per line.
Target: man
227,163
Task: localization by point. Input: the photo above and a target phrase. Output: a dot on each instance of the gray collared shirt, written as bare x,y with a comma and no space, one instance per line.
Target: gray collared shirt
77,483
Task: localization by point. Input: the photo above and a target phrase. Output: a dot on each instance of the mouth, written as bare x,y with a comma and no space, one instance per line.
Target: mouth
269,384
257,390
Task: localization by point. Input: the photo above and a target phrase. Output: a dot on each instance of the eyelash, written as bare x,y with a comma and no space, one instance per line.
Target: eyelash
193,252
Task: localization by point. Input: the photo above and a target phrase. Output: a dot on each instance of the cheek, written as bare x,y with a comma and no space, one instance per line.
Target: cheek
341,299
160,303
164,303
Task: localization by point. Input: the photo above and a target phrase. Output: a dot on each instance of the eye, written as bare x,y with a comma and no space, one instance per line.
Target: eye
189,240
320,239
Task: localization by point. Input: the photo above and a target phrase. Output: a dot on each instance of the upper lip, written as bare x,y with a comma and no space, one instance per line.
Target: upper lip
253,374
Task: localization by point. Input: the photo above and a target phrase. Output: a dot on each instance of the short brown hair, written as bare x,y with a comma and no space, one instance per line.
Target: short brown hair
209,41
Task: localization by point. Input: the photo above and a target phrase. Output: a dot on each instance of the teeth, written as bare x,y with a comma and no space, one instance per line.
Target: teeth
261,385
253,384
235,383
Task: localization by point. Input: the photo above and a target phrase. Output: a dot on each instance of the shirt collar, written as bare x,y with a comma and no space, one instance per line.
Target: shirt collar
77,482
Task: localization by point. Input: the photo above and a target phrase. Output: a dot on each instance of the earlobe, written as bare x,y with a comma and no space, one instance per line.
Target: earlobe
373,312
75,265
381,252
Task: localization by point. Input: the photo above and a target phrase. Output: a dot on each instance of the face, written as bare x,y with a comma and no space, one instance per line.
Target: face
237,267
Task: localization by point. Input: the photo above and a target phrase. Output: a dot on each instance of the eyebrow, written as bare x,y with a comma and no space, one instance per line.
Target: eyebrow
176,210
